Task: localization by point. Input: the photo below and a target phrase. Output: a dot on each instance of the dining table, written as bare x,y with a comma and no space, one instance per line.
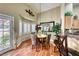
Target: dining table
42,37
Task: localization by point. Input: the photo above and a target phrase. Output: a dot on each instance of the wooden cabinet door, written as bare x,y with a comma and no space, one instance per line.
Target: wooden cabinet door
76,24
67,22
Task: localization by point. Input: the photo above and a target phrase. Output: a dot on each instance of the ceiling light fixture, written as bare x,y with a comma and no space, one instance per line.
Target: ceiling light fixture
29,12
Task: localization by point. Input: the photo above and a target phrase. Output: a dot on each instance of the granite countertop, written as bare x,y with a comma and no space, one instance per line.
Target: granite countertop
73,36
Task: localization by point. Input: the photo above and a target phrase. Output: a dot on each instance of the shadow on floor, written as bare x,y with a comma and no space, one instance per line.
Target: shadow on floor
74,52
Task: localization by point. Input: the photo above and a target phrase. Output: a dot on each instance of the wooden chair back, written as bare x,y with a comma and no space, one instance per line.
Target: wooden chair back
48,39
63,47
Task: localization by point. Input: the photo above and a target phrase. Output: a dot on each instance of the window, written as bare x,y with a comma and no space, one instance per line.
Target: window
20,27
47,26
25,27
28,27
6,32
33,27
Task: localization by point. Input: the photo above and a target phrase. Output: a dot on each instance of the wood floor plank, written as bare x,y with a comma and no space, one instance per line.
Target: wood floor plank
26,50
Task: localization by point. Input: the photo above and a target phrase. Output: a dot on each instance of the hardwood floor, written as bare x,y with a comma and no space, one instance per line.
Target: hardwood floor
25,49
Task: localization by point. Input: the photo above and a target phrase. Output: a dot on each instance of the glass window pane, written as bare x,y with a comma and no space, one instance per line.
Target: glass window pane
25,28
20,27
6,25
5,29
33,27
6,39
28,27
1,25
1,35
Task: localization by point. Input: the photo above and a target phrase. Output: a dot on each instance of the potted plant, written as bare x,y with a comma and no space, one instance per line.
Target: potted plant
68,13
57,28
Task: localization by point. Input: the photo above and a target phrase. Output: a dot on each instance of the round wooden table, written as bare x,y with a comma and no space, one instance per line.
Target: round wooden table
41,37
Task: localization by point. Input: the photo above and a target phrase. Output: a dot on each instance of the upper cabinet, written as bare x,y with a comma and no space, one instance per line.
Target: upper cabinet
67,22
71,23
73,20
76,24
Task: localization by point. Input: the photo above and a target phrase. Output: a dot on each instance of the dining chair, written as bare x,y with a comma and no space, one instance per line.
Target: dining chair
61,45
56,42
37,43
44,43
48,40
33,39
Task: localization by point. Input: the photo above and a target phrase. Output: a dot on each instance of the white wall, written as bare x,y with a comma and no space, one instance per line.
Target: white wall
69,7
18,12
62,18
50,15
76,10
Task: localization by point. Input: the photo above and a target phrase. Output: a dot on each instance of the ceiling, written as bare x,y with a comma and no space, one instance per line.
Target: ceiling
41,7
